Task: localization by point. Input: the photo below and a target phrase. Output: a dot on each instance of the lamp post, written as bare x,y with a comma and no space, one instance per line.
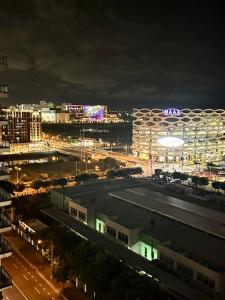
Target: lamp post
86,161
17,174
76,167
52,253
152,224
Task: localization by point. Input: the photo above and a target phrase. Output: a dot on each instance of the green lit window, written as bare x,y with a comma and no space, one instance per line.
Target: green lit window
146,252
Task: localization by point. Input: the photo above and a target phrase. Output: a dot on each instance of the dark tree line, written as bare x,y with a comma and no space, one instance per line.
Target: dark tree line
86,177
125,172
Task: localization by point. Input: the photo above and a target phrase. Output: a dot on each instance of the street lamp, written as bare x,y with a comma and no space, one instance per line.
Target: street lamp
17,174
87,161
52,253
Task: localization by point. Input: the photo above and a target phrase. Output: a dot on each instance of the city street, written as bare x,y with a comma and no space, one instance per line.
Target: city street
28,280
97,154
30,272
14,293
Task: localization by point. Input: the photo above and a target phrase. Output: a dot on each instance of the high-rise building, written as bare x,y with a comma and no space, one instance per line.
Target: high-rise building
179,137
5,225
23,125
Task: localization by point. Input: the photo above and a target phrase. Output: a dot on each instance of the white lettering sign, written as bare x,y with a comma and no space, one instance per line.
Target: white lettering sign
171,112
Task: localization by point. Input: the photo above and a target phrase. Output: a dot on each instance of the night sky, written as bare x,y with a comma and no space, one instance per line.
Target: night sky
121,53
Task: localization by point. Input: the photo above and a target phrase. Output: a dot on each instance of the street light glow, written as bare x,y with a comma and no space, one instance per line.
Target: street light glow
170,142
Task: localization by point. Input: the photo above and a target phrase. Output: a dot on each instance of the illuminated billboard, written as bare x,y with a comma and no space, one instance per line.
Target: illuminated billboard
94,112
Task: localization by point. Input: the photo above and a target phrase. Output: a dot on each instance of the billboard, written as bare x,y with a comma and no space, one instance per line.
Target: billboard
94,112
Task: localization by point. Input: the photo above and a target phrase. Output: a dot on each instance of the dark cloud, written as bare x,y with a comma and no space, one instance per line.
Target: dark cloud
128,53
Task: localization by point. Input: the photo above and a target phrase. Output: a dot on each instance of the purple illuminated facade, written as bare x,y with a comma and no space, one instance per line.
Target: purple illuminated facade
94,112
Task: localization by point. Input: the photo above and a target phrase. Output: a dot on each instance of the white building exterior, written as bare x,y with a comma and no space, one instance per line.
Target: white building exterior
157,133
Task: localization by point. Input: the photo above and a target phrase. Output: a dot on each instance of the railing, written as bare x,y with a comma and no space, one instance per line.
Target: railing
4,246
5,278
4,221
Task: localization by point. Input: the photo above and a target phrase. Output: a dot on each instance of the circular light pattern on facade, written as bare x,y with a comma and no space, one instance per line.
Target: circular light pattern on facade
170,142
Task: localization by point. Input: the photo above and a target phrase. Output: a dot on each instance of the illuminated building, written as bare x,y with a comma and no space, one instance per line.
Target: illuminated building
87,113
5,203
48,116
152,225
183,137
53,116
62,117
23,125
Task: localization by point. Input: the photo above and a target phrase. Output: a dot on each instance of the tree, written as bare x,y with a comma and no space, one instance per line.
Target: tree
20,187
183,176
108,163
195,180
216,185
8,186
46,183
62,181
93,176
36,184
138,171
222,186
84,177
180,176
111,173
203,181
158,172
60,272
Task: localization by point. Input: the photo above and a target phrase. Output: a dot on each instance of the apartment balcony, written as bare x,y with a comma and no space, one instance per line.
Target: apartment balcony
5,279
4,201
5,248
5,224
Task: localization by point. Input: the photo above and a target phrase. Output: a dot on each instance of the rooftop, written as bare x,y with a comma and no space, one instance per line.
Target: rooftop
133,210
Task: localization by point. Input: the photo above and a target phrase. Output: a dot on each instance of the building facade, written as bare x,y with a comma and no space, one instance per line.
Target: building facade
22,125
160,242
5,203
185,136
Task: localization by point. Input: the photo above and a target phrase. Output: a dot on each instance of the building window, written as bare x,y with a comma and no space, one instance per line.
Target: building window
81,216
111,231
187,272
123,237
73,211
206,280
167,261
146,252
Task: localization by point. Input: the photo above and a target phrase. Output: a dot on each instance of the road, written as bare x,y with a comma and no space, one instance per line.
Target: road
96,154
28,280
14,293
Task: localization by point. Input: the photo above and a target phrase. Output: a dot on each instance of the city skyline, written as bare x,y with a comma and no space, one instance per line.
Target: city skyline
114,53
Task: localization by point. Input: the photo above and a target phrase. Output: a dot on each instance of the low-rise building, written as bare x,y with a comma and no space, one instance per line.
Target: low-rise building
181,248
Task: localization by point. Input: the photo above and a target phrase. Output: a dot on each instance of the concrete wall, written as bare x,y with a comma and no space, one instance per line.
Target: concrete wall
133,234
59,200
219,278
81,209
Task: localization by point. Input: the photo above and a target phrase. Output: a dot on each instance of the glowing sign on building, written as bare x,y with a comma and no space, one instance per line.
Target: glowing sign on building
171,112
94,112
170,141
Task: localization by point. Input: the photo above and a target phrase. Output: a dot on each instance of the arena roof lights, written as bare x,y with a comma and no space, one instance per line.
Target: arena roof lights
170,141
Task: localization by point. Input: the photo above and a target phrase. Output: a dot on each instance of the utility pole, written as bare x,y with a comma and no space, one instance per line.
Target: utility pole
17,174
152,224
